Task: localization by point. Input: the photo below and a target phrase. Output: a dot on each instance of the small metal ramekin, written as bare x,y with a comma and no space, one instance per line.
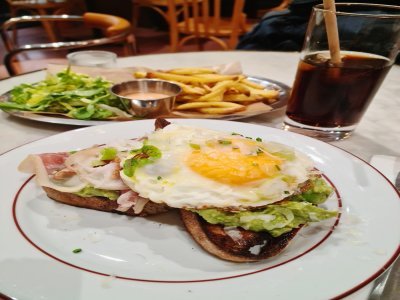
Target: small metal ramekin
147,108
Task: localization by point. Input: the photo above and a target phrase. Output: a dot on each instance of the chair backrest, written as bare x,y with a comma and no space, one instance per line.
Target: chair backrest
110,25
115,30
27,4
202,19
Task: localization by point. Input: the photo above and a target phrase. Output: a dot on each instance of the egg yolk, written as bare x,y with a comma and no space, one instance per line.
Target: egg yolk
233,167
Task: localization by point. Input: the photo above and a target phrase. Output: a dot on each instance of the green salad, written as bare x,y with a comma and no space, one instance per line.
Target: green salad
70,94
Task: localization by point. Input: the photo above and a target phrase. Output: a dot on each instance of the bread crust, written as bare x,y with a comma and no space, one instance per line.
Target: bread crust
215,240
102,203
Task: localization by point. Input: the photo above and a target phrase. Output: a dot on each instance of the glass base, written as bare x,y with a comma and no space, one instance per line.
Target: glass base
327,134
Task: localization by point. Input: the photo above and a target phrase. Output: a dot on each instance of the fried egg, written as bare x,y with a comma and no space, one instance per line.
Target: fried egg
202,168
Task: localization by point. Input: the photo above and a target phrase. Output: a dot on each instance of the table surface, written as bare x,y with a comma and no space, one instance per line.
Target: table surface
377,133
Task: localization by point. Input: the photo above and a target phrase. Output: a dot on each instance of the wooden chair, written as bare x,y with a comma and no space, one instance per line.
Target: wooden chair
113,30
282,6
159,6
45,7
202,20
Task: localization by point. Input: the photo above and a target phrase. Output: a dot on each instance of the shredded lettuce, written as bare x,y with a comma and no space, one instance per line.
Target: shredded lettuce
74,95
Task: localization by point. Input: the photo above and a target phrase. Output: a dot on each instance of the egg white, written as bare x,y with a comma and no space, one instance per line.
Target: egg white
171,181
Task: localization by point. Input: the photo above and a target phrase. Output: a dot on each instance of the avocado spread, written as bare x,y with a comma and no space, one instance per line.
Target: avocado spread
90,191
281,217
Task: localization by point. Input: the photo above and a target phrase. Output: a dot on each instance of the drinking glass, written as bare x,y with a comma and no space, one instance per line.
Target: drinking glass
92,58
330,97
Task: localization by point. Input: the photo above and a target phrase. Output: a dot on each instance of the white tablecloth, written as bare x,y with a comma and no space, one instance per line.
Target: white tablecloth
377,133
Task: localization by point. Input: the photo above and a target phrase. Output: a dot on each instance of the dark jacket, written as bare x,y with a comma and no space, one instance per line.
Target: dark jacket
285,30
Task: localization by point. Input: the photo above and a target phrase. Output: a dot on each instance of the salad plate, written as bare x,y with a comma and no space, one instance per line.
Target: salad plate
151,257
251,110
97,89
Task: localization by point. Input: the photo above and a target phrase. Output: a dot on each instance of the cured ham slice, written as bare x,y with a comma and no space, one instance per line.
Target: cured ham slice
131,199
102,177
44,165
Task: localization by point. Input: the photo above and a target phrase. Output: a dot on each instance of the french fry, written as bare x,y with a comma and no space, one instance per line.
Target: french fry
191,71
252,84
187,98
190,89
195,105
217,91
210,78
241,98
221,110
206,87
205,91
140,75
261,93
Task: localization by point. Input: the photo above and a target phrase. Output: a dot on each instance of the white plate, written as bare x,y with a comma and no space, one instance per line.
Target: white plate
138,258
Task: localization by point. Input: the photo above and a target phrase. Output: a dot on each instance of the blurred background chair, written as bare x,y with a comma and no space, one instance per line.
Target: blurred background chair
201,20
159,6
104,29
282,6
45,7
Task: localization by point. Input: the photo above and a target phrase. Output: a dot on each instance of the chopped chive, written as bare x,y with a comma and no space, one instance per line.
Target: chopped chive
259,139
234,133
195,146
159,178
224,142
249,137
286,192
77,250
278,167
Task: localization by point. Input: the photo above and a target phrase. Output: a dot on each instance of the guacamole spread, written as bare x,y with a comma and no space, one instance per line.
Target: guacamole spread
90,191
281,217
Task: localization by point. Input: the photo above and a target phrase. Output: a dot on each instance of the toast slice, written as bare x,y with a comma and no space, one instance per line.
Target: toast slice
240,245
104,204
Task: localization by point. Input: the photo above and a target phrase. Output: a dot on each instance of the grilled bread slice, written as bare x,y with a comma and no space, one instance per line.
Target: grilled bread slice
141,208
240,246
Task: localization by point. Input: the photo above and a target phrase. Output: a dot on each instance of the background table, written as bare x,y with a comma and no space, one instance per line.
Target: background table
377,133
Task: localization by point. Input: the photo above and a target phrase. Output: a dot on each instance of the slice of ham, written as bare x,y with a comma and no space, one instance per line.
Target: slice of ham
102,177
52,162
131,199
35,164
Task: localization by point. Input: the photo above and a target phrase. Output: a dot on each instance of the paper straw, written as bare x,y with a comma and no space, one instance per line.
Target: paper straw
332,31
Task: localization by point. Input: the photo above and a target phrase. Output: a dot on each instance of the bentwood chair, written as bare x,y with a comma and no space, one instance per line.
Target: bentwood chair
107,29
201,20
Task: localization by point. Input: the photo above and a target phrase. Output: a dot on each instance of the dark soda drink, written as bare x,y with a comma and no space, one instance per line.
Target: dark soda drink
325,95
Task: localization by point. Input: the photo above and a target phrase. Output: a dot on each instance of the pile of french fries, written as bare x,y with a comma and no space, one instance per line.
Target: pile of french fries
205,91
